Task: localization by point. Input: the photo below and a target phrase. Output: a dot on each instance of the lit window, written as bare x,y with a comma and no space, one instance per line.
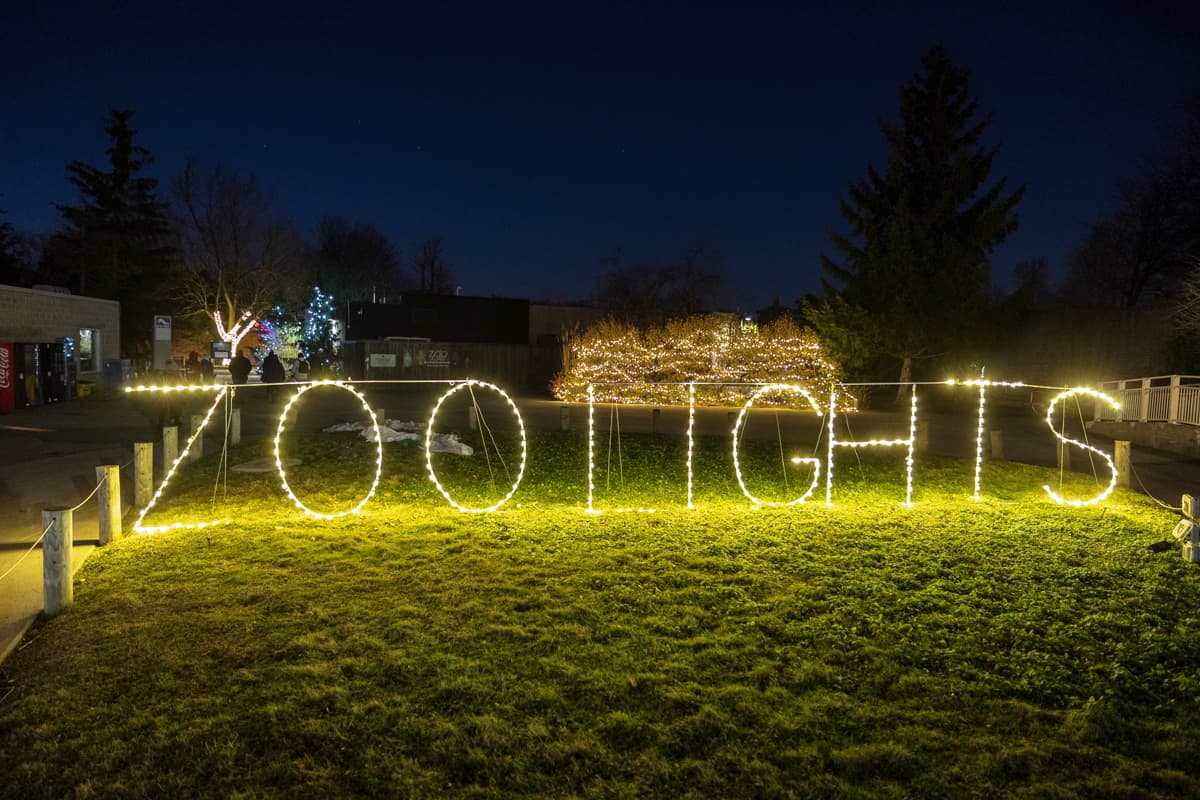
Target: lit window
89,349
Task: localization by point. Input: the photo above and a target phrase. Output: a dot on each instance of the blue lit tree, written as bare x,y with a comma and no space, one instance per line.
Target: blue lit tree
319,340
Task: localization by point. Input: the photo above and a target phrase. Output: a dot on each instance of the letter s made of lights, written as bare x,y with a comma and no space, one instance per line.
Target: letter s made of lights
429,444
1067,440
737,427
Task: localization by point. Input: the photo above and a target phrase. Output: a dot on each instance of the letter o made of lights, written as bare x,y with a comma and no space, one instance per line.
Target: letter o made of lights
737,427
378,444
429,445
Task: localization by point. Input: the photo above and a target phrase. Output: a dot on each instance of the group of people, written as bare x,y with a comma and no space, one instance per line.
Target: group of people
201,369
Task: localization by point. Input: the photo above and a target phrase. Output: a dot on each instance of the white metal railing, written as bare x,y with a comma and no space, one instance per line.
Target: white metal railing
1163,398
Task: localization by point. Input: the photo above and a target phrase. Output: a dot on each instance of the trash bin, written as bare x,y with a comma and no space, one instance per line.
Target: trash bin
118,372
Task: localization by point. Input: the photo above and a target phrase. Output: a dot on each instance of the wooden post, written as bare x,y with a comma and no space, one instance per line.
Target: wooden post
1173,402
170,437
997,440
1188,532
235,426
1145,414
1121,461
56,560
143,473
564,419
108,478
381,416
197,451
473,418
922,443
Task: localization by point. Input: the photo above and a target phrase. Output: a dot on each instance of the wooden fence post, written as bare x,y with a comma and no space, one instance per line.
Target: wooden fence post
170,439
108,478
56,560
1064,456
997,440
1121,461
143,473
197,451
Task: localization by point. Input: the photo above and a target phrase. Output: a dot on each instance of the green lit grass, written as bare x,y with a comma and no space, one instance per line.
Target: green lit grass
1008,647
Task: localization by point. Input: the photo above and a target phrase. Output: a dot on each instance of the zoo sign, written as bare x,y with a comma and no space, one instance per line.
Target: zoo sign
906,445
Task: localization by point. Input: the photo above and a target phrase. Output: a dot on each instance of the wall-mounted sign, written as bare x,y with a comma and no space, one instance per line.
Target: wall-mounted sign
383,360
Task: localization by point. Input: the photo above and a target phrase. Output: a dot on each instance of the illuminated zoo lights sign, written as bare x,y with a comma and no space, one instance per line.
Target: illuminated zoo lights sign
907,444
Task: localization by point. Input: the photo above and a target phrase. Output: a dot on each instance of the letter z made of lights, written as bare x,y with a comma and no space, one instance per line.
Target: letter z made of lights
469,386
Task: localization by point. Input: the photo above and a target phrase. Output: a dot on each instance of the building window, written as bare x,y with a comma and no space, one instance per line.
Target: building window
89,349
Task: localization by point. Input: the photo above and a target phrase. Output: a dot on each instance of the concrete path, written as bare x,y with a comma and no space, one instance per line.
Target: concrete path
48,455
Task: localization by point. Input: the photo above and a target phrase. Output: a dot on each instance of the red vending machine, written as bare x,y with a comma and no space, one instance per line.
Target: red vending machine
7,376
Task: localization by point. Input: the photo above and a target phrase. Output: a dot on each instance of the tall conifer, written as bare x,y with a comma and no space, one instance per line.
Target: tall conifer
922,229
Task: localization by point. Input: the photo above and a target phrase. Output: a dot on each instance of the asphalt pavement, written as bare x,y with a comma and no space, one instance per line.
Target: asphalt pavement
48,454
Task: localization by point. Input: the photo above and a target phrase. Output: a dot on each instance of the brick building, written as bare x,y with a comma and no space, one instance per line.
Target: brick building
50,341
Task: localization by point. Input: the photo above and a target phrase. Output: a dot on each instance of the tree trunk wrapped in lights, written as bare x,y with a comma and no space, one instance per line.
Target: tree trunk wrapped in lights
630,365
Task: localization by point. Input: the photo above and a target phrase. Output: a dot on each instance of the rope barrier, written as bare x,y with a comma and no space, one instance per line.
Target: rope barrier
25,555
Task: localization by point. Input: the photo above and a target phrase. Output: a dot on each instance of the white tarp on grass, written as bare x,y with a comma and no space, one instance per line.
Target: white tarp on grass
394,430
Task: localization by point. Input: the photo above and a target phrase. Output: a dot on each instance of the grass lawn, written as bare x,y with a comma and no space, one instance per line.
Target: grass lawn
1002,648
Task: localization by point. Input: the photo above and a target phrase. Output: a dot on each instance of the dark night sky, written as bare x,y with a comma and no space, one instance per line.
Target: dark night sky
538,139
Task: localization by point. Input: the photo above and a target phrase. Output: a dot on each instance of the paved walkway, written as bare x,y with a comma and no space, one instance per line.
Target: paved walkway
48,455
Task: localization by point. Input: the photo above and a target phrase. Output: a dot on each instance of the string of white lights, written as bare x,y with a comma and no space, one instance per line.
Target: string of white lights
743,416
137,523
691,440
378,444
591,397
910,442
1068,440
471,382
979,440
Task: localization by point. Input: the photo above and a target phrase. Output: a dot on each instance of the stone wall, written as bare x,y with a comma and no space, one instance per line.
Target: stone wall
35,315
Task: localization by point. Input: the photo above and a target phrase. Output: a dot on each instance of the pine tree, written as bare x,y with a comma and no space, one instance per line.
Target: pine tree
319,342
921,231
117,241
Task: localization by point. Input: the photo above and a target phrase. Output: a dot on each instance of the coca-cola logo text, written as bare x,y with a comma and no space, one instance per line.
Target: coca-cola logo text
5,368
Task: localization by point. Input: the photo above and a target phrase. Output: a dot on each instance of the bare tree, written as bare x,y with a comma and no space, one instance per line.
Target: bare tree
240,255
356,261
651,294
434,274
1186,313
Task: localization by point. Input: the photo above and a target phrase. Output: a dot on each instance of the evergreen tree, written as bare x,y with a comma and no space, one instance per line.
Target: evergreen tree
318,343
921,231
116,242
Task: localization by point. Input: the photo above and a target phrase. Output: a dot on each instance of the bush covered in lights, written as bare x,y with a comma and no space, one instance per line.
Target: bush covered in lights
621,360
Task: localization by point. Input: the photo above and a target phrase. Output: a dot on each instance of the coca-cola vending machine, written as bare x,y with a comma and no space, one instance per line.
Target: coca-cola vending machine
7,376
